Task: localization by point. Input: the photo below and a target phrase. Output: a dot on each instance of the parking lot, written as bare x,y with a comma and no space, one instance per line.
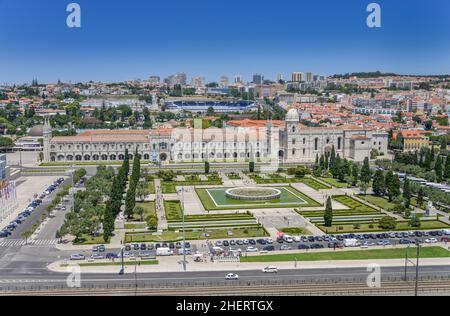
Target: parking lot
235,247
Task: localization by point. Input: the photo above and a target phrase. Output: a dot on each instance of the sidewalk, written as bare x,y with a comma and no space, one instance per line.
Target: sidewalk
174,265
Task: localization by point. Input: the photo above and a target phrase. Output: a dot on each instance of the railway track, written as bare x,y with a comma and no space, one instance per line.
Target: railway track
387,288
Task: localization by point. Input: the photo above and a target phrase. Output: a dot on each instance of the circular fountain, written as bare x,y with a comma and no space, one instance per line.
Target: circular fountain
253,193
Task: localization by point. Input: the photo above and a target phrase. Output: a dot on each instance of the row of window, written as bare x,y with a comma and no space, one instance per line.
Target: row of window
316,142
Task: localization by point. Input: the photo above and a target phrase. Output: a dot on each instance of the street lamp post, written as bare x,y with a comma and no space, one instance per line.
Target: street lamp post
184,229
417,269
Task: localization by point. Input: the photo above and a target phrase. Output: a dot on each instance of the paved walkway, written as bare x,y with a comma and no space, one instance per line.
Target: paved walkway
159,201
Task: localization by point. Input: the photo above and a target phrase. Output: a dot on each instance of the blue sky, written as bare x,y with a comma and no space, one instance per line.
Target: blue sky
131,39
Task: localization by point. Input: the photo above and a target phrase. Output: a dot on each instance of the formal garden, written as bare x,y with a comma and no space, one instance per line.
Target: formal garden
217,199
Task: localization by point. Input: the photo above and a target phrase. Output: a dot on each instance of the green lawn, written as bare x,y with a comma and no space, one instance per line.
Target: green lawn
353,204
216,199
173,210
242,232
149,209
295,230
373,254
335,182
233,176
86,239
135,225
378,201
313,183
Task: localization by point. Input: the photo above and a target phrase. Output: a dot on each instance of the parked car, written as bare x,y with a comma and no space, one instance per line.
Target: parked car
77,256
431,240
303,246
251,249
111,255
269,248
285,247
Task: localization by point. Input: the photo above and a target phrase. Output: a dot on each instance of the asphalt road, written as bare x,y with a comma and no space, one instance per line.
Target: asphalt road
44,278
37,214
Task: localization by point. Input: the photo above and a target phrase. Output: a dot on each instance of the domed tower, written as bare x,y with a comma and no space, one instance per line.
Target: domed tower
292,121
47,133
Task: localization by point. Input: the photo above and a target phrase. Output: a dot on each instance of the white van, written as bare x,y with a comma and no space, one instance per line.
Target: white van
164,252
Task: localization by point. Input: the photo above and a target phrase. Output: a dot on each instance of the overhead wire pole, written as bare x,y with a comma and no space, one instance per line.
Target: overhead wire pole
417,269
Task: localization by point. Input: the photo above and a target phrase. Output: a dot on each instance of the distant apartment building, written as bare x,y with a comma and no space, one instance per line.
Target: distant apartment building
224,82
297,77
154,79
258,79
375,103
309,77
198,82
178,79
238,79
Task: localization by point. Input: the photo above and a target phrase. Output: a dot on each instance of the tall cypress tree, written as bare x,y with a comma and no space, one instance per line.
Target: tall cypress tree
407,193
365,171
379,185
355,174
328,215
332,157
447,168
438,168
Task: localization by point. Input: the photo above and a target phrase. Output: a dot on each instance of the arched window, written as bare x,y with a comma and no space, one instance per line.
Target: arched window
339,143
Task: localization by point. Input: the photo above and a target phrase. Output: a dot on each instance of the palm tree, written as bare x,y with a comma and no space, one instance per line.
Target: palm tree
27,234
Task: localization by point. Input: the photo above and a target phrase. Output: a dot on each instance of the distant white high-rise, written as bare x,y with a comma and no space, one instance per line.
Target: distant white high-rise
198,82
238,79
280,77
224,82
258,78
309,77
297,76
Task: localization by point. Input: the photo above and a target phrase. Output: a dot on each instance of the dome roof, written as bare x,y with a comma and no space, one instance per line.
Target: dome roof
36,131
292,115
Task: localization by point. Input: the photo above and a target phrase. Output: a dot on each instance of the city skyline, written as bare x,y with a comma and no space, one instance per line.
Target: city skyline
117,43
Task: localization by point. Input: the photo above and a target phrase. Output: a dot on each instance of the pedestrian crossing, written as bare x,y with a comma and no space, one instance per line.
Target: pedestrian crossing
5,243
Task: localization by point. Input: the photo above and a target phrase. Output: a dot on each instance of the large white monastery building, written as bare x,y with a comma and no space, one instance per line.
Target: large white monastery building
287,141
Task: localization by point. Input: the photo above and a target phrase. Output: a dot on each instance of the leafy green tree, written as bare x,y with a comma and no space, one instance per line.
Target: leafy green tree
392,185
387,222
420,197
130,202
407,193
415,222
379,185
355,174
365,171
328,215
438,169
139,211
447,168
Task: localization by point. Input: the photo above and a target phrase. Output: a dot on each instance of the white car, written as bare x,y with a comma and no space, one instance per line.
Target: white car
269,240
252,249
431,240
297,239
232,276
77,256
285,247
97,257
245,241
218,243
270,270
